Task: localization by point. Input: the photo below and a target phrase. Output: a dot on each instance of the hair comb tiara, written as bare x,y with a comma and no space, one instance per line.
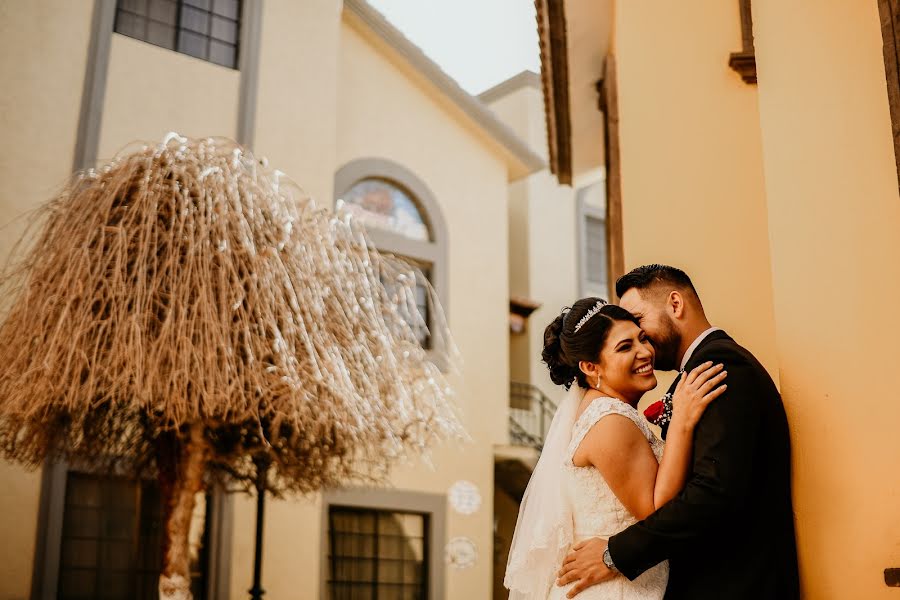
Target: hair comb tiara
587,317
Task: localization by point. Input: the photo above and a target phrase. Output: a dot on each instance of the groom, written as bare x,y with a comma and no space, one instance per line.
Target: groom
730,532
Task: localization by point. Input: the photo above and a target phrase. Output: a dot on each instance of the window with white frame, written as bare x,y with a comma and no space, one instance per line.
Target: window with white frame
592,241
401,218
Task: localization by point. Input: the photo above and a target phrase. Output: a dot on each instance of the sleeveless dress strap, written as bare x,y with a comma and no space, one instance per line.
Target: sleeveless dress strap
599,408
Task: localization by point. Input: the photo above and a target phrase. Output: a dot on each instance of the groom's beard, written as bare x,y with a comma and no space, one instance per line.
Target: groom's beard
666,342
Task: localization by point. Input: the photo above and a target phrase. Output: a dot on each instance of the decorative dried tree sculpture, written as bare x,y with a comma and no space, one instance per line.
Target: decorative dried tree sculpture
187,312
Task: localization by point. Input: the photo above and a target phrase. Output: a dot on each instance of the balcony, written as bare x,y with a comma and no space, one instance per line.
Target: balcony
530,413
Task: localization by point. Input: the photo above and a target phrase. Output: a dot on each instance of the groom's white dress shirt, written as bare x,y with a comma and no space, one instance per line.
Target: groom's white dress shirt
693,346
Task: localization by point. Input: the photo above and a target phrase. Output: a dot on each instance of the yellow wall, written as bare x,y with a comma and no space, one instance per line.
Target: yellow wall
834,214
151,91
42,59
691,161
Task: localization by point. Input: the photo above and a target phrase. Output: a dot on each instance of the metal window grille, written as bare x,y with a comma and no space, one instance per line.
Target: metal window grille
112,529
205,29
377,554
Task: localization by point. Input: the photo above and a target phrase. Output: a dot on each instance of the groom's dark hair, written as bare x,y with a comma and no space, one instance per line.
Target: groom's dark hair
650,276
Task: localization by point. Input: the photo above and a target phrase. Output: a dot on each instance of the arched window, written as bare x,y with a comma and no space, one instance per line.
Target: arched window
401,217
381,204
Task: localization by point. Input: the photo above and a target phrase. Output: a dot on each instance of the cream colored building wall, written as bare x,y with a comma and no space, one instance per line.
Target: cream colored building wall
553,266
296,118
519,257
523,111
382,113
151,91
543,240
296,124
42,62
691,162
834,214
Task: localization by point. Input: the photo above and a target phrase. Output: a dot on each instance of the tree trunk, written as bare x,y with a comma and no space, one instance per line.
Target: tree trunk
181,466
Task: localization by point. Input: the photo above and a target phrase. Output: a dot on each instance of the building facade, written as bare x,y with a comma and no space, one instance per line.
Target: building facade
337,99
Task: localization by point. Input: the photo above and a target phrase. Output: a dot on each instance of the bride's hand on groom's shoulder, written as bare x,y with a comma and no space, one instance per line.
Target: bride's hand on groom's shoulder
584,565
694,392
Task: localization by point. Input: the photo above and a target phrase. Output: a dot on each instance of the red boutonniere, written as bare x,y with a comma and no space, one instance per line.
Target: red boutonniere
660,413
655,411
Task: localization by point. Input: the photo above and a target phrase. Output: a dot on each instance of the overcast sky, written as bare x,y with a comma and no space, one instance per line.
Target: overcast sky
477,42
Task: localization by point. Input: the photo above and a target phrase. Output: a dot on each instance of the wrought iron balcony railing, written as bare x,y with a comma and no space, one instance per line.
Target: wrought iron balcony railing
530,412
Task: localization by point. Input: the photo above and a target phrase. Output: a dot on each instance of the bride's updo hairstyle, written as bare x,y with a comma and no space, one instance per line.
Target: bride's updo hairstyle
564,348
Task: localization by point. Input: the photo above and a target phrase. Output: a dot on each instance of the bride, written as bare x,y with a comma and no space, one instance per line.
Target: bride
602,468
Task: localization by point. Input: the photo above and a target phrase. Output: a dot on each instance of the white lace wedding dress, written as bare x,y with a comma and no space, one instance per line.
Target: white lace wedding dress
598,513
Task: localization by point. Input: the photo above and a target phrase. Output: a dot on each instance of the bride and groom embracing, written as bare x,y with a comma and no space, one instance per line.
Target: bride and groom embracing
612,512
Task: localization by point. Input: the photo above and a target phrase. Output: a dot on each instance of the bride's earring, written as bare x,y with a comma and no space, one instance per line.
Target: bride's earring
597,386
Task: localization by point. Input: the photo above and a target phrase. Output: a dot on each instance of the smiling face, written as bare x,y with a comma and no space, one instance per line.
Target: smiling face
650,311
625,365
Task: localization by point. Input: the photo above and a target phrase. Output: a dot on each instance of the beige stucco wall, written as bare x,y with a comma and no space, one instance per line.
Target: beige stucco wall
151,91
295,124
382,113
691,162
552,265
834,214
298,74
543,239
42,62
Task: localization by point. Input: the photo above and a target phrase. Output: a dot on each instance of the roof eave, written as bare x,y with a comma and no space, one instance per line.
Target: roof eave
521,161
551,24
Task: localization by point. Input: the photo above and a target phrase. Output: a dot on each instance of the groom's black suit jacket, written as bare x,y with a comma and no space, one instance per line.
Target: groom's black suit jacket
730,532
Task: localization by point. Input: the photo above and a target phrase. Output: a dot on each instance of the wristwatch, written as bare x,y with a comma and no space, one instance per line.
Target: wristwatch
607,560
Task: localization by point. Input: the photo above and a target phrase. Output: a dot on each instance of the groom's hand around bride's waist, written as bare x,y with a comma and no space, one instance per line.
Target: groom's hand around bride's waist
584,565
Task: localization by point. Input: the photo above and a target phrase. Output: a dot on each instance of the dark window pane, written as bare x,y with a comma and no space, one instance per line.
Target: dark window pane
222,54
207,29
224,30
136,6
109,550
130,25
114,585
118,524
227,8
191,43
78,585
194,20
117,555
84,523
82,491
161,35
121,495
80,553
396,570
164,11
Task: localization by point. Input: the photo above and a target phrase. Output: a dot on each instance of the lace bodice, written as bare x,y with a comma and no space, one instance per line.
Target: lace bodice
597,512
